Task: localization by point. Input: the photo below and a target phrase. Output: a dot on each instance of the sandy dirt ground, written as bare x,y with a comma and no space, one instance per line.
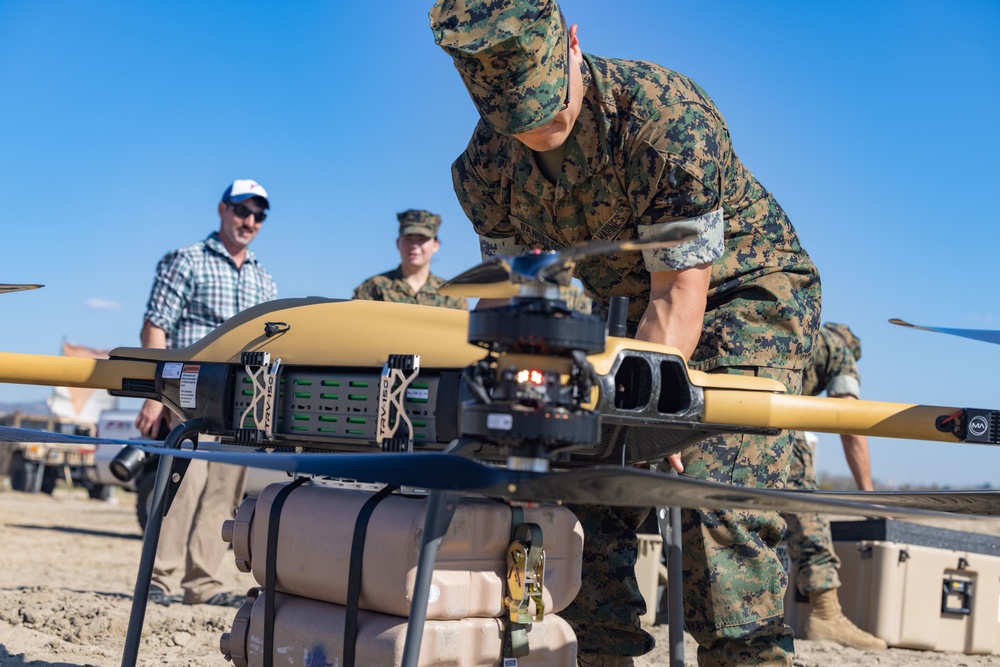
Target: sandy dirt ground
67,571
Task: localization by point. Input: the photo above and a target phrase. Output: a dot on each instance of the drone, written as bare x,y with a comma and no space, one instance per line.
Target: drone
528,402
530,387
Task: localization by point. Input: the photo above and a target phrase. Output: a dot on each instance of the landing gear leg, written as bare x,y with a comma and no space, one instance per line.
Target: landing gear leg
150,539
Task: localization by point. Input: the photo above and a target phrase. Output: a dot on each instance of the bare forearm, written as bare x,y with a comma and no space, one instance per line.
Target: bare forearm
856,452
676,310
152,412
153,336
675,315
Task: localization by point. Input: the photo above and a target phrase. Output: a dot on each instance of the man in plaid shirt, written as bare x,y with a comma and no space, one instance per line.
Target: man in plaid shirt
197,288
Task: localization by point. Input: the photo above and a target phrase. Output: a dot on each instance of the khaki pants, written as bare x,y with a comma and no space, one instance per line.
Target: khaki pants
191,537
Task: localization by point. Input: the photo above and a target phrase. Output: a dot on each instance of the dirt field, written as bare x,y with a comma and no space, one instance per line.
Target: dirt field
67,572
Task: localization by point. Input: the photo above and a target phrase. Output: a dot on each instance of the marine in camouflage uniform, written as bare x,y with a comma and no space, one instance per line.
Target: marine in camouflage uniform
573,147
832,368
412,281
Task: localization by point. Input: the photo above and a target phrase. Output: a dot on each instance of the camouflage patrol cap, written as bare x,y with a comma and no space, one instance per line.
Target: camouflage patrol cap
513,56
415,221
853,342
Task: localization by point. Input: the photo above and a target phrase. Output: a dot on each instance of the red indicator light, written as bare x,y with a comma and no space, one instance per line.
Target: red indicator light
531,377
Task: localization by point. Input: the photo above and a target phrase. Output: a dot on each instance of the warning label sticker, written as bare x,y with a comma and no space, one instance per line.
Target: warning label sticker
189,385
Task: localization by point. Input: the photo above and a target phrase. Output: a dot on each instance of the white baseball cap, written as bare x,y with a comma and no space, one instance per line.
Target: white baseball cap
243,189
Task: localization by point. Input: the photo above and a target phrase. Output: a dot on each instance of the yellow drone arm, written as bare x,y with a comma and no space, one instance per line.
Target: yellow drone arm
826,415
58,371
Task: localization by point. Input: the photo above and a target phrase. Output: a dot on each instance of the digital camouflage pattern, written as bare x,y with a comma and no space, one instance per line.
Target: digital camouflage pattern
833,364
419,222
732,576
513,57
844,331
832,368
649,148
810,544
733,580
763,309
605,613
390,286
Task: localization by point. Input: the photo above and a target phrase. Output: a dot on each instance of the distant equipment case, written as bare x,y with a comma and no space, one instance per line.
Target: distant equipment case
915,586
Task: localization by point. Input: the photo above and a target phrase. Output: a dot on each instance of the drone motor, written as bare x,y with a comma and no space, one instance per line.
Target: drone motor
528,395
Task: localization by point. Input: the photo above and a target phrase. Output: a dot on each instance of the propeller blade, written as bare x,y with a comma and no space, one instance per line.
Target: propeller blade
11,434
490,280
676,235
985,335
430,470
500,277
982,503
626,487
631,487
4,289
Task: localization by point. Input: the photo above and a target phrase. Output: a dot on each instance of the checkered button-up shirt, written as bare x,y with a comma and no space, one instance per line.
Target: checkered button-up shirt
198,287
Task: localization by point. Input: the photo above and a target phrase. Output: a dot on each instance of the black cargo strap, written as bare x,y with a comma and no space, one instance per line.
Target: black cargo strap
515,643
270,566
354,574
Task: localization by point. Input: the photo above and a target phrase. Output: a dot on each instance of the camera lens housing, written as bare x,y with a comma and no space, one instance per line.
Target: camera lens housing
127,464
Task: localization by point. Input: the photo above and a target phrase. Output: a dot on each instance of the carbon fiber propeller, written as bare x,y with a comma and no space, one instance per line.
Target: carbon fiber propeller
5,288
985,335
616,486
627,487
502,277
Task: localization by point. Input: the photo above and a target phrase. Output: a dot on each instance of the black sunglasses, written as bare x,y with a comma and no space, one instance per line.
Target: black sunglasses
242,211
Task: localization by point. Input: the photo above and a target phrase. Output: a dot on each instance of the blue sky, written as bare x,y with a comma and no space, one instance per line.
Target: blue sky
873,123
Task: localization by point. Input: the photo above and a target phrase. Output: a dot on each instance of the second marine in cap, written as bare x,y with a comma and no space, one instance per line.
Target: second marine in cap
412,281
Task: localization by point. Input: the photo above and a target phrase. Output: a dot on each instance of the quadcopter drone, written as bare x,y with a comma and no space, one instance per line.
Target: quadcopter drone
530,386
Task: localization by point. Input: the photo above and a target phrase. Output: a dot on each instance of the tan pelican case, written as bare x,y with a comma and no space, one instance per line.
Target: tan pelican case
316,530
913,591
650,573
922,597
309,632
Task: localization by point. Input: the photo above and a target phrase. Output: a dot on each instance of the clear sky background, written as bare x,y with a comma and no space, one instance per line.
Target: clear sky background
873,123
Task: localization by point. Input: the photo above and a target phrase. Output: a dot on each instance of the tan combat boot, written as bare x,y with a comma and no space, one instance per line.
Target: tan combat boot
827,622
599,660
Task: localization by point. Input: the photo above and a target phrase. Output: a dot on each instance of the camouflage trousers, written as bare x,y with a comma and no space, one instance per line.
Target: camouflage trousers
733,580
810,546
605,614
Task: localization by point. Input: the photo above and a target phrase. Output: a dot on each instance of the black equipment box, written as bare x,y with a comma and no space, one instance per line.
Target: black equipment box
891,530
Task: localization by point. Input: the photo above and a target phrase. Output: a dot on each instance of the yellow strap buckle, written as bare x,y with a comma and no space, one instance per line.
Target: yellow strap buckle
525,574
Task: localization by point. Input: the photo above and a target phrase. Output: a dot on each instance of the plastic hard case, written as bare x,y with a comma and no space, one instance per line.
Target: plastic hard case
316,529
913,595
650,573
308,632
